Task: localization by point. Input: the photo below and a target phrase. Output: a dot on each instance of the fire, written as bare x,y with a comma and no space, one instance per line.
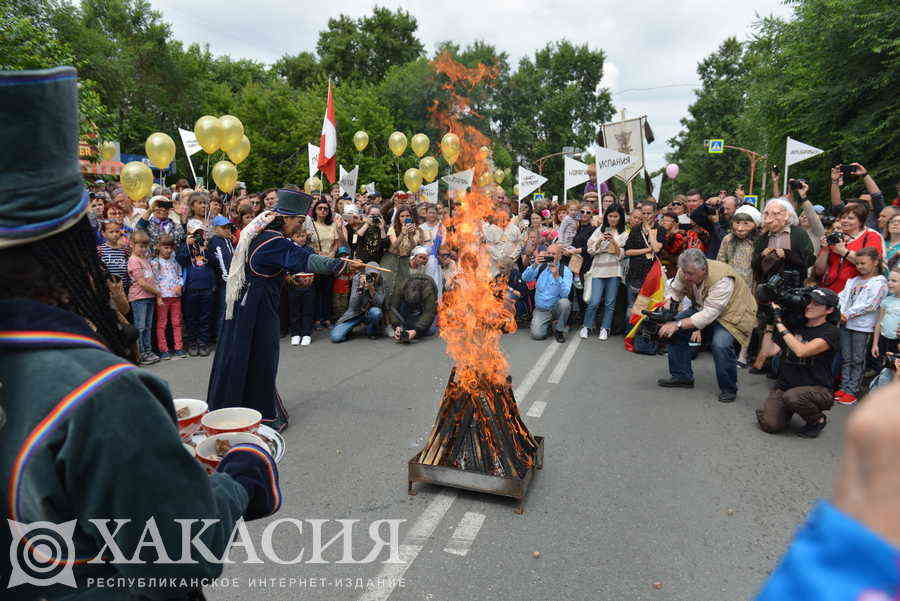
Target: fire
473,315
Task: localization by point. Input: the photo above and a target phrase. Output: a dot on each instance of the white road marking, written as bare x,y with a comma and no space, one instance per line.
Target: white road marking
557,374
535,373
419,534
465,534
537,409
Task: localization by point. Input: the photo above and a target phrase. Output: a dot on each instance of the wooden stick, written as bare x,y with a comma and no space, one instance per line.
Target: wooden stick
366,265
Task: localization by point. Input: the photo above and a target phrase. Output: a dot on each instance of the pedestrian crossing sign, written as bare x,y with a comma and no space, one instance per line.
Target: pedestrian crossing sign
538,197
751,199
716,146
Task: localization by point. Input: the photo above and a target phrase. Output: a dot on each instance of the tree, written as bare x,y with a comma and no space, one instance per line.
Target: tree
367,47
552,101
299,71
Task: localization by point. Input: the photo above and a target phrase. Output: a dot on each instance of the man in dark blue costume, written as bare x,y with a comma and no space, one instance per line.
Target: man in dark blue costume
246,361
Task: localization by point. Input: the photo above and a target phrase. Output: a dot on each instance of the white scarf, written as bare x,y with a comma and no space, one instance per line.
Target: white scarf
236,275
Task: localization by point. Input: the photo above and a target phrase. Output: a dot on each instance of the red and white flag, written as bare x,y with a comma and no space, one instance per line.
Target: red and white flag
328,141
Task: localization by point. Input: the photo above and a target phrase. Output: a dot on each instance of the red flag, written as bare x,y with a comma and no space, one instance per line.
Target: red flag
651,296
328,141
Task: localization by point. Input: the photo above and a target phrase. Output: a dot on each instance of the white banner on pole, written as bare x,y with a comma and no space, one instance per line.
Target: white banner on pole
626,137
430,192
370,188
575,172
348,180
529,181
189,140
656,182
460,180
611,163
313,159
798,151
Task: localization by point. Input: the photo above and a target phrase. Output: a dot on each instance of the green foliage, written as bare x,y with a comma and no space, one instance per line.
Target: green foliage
827,77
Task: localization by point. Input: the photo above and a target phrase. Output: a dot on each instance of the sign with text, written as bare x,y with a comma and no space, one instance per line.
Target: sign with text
625,137
798,151
575,172
313,158
348,180
430,192
460,180
611,163
528,182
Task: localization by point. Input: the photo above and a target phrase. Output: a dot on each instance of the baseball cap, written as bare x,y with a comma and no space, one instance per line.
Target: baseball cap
824,296
342,252
819,209
220,220
371,267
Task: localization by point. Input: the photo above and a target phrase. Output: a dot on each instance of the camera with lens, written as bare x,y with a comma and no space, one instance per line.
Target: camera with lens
834,238
796,184
655,319
786,290
827,220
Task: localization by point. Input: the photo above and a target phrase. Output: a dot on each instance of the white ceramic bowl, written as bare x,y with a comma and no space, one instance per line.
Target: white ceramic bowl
188,426
231,419
206,448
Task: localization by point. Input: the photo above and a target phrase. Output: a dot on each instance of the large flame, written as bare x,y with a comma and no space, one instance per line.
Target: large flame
473,315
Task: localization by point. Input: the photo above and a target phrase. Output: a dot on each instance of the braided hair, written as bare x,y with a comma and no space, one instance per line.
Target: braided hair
65,270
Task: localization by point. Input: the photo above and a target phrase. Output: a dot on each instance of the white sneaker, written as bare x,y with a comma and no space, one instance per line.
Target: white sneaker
603,334
306,341
585,333
295,340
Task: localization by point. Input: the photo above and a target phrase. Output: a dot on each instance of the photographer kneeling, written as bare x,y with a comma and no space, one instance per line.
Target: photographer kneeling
551,293
726,306
365,305
805,374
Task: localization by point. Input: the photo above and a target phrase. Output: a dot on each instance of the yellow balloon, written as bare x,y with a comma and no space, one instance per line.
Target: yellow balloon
420,144
516,190
397,143
360,140
413,179
160,149
225,174
429,168
208,131
107,151
485,152
232,131
240,152
137,180
450,155
312,184
450,142
485,179
499,176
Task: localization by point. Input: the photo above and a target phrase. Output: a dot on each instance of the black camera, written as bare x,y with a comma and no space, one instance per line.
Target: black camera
655,319
547,259
827,220
405,337
888,360
834,238
796,184
785,289
848,171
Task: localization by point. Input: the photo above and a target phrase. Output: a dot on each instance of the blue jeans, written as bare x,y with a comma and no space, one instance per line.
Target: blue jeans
143,320
604,289
196,310
372,319
722,347
632,294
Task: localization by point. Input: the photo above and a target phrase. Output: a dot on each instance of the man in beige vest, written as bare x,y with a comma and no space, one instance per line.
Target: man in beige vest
720,301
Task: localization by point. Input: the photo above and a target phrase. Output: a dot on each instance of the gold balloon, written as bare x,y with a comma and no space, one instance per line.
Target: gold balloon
420,144
137,180
208,131
429,168
160,149
484,152
516,189
485,179
450,142
312,184
360,140
397,143
499,176
240,152
107,151
413,179
225,174
232,131
450,155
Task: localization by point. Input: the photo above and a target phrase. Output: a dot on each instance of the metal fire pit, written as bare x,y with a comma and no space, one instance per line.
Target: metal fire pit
496,485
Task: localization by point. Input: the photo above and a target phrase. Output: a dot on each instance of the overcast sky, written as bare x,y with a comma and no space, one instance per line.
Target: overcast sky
648,43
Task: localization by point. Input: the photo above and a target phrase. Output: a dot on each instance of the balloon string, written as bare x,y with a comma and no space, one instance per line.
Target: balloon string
397,163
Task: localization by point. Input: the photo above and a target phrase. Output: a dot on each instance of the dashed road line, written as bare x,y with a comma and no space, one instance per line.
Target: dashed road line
465,534
557,374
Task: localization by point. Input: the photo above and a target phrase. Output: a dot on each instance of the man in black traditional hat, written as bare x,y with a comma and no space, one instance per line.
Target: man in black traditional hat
85,436
246,361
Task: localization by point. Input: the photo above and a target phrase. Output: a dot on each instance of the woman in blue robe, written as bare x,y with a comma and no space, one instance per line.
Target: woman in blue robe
246,361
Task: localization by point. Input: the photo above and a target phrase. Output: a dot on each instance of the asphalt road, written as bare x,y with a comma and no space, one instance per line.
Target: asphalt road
642,487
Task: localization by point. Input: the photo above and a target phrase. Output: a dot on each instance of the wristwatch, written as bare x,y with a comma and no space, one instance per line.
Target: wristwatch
678,323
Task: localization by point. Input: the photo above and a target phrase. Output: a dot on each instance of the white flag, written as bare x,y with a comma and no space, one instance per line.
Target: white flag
610,162
798,151
189,140
348,181
460,180
430,192
528,182
313,159
575,172
656,182
370,188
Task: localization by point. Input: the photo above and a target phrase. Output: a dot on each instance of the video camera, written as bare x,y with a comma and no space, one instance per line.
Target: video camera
655,319
785,289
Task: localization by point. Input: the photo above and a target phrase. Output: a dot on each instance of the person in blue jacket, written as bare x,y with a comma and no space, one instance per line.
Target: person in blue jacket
246,360
848,549
197,293
218,254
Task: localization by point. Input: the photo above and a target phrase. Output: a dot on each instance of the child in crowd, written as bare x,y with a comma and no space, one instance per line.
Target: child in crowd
142,295
169,281
197,293
113,256
860,299
887,329
219,253
301,303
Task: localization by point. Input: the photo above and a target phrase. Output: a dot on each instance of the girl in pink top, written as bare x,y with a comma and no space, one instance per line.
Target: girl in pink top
142,294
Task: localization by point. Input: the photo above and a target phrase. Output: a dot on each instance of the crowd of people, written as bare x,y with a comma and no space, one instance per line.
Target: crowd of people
577,266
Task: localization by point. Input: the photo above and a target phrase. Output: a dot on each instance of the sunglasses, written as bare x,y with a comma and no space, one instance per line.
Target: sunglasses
586,212
677,204
322,208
